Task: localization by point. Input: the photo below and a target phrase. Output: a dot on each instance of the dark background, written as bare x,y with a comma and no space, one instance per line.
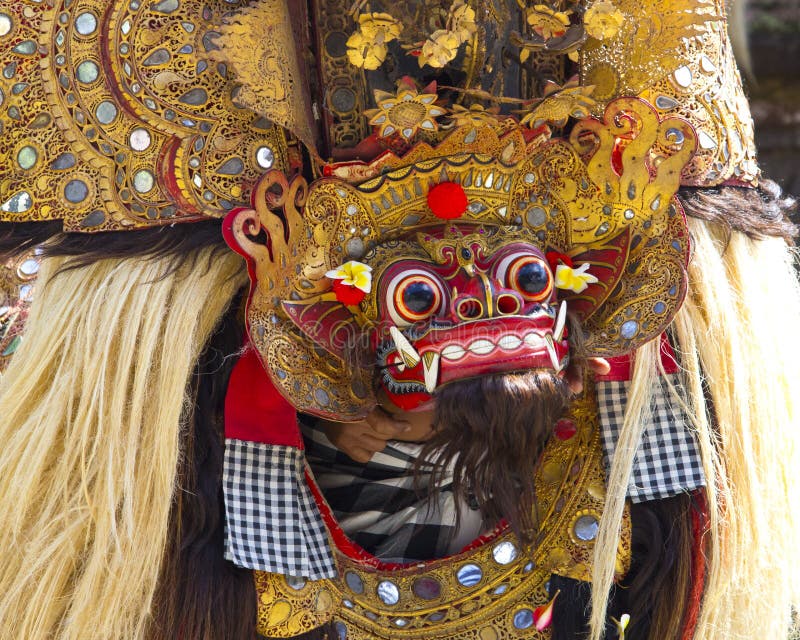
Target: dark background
774,38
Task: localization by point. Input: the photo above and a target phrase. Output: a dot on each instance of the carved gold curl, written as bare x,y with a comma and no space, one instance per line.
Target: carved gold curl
648,181
274,260
677,55
290,266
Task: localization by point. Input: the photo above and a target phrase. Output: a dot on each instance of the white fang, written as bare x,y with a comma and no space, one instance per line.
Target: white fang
404,348
551,351
561,321
430,365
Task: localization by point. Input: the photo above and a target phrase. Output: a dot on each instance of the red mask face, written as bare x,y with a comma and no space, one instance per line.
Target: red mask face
481,304
342,285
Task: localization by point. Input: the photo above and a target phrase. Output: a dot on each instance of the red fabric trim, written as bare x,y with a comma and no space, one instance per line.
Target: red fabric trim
620,369
622,366
254,410
699,527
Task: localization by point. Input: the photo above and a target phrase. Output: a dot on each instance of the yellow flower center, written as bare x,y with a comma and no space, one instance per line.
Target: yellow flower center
407,114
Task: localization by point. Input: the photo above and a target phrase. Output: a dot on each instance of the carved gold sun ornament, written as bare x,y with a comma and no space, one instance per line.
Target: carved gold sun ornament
405,112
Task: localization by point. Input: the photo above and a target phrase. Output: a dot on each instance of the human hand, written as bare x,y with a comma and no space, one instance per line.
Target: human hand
574,372
361,440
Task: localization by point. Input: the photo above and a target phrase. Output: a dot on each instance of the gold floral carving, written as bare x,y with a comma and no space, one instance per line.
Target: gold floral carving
404,112
499,584
344,93
602,20
560,103
547,22
366,48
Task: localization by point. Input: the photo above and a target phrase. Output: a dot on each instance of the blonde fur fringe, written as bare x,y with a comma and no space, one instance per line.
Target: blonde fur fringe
737,338
92,409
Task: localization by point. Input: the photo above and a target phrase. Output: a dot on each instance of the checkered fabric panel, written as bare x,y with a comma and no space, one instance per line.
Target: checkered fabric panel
272,521
381,508
668,460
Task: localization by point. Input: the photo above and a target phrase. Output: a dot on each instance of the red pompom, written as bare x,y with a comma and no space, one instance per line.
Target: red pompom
447,200
347,293
565,429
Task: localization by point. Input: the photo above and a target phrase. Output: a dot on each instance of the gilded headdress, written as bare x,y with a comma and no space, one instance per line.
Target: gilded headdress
129,115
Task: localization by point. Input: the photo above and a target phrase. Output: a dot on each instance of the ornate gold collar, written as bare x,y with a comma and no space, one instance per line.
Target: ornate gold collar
491,590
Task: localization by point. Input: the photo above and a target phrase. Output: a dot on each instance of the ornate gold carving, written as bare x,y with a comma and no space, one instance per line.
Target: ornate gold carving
638,192
480,62
499,583
503,140
561,196
676,55
115,116
648,43
260,44
288,607
292,268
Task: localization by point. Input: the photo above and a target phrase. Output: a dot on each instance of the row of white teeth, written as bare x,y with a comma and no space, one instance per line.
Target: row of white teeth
430,359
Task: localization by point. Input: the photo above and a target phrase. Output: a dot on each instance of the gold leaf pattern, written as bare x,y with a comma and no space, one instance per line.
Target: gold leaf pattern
255,43
651,42
113,113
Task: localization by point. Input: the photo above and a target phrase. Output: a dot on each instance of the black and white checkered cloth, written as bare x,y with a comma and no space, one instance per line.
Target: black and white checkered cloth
668,459
381,509
272,521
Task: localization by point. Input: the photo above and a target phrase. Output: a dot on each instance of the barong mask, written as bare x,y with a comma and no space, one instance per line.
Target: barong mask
462,259
123,116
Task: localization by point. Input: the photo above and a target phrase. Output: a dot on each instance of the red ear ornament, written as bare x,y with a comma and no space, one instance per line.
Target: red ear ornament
347,294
